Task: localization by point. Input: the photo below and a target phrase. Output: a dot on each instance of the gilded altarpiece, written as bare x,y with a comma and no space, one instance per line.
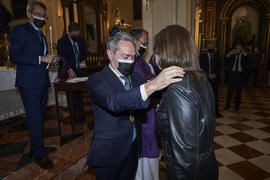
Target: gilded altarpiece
220,21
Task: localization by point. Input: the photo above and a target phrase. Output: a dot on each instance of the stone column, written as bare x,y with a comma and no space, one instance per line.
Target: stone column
157,14
223,36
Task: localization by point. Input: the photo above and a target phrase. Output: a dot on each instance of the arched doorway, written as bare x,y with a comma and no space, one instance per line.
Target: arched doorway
227,23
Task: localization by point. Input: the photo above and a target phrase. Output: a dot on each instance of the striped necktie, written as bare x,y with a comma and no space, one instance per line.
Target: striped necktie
77,55
127,83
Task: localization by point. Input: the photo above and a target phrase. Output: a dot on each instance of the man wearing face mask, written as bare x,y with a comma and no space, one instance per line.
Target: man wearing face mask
72,48
148,165
117,93
29,51
236,63
211,64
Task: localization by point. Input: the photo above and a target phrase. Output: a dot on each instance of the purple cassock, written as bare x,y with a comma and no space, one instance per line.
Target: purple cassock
149,139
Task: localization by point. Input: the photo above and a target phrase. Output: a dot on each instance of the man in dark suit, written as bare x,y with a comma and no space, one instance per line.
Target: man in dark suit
72,48
28,50
236,63
116,93
211,65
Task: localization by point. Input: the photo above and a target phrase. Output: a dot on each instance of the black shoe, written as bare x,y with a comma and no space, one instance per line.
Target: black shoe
218,115
44,162
226,107
47,150
50,149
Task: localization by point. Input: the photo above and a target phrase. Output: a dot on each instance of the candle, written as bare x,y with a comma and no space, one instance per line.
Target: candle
51,41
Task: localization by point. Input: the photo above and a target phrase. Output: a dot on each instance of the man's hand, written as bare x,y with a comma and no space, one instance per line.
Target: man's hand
56,59
211,76
165,78
83,65
48,58
71,74
232,52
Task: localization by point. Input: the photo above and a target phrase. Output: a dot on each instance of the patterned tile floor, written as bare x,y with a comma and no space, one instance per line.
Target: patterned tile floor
242,139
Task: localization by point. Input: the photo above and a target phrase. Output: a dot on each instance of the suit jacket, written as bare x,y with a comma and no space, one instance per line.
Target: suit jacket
65,49
215,65
230,61
111,104
25,49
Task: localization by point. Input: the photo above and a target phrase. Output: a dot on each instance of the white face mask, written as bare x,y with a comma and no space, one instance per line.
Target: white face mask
125,61
157,59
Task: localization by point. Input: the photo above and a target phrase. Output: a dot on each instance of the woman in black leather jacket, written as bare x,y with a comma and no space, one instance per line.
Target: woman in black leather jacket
186,114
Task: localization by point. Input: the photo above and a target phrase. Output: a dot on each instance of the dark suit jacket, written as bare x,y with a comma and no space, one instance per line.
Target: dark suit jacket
215,64
65,49
26,47
112,129
229,63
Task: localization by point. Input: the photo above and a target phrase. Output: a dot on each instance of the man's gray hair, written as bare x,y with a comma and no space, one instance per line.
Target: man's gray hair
31,4
113,41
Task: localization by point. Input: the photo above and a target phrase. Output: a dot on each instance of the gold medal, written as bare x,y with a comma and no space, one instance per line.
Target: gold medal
131,116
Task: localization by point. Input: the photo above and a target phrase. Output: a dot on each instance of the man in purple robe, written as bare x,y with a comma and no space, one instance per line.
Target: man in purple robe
149,158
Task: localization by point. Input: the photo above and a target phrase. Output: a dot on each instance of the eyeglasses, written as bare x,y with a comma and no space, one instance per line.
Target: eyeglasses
40,15
143,43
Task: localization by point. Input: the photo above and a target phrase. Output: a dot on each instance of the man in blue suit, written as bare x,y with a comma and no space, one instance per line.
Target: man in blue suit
72,48
28,50
117,93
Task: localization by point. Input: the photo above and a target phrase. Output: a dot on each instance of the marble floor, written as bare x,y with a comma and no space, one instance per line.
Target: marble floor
242,141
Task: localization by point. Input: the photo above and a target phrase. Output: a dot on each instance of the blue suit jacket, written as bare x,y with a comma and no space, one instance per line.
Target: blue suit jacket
112,129
26,47
65,49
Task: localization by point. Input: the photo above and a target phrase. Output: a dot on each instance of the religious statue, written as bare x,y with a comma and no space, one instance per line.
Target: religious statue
241,31
119,24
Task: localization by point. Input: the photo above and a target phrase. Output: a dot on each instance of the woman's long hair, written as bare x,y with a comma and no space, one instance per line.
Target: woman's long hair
175,47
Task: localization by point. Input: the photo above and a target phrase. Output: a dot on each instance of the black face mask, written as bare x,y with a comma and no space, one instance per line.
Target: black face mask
125,68
210,50
39,23
141,51
75,38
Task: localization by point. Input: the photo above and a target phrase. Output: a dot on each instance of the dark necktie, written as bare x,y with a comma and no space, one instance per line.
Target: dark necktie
237,63
127,83
41,39
77,56
210,62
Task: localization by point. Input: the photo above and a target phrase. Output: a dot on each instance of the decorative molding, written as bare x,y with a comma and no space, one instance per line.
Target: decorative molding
65,3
